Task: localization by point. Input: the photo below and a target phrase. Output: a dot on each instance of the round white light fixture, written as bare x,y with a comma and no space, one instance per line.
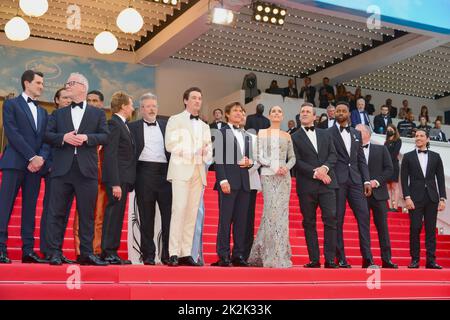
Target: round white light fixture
267,9
129,20
283,12
258,17
273,20
275,10
17,29
34,8
265,18
105,43
259,8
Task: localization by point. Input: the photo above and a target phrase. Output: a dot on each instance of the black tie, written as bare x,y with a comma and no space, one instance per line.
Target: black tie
80,104
309,128
422,151
194,117
365,146
236,127
32,101
344,128
150,123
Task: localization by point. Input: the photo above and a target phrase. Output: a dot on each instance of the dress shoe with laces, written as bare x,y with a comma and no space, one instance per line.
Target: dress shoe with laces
331,265
33,258
187,261
55,260
343,264
91,260
239,262
414,264
4,258
312,264
368,263
222,262
388,264
432,265
115,259
173,261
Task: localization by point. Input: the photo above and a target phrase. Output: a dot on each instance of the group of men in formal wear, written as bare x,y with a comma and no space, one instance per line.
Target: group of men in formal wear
166,163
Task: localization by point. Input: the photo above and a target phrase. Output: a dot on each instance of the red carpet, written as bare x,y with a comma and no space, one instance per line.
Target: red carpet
19,281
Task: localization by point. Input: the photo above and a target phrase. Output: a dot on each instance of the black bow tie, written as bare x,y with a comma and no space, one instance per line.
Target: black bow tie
422,151
80,104
309,128
236,127
32,101
365,146
150,123
345,128
194,117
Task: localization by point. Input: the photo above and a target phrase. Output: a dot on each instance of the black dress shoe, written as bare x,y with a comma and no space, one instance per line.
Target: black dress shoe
187,261
343,264
414,264
222,262
55,260
312,264
4,257
115,259
173,261
66,260
432,265
388,264
239,262
165,261
331,265
91,260
33,258
368,263
149,262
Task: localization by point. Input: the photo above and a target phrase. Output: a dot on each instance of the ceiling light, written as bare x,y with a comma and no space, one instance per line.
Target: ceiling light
129,20
222,16
34,8
105,43
17,29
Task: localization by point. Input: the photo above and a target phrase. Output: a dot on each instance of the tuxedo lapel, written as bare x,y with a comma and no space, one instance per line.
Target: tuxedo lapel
416,160
23,104
68,118
306,138
337,133
40,118
85,119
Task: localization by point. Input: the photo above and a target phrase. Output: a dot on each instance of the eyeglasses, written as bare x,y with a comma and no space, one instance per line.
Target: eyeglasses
72,83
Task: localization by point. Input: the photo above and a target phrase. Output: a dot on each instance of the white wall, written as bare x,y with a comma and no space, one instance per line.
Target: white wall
174,76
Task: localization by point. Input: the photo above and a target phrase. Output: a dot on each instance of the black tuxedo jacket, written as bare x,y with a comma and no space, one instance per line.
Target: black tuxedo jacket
324,124
119,164
226,164
257,122
307,159
93,124
380,169
137,130
353,166
378,124
414,183
213,125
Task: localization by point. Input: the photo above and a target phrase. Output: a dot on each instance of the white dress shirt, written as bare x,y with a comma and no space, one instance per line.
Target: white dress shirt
239,137
346,137
366,153
33,108
362,116
153,144
77,116
312,137
423,159
330,122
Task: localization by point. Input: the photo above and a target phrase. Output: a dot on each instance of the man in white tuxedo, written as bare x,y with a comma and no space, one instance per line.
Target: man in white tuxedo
188,139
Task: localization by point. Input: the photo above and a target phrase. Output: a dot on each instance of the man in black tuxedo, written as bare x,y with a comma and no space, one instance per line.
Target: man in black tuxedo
331,110
151,178
380,170
233,159
316,185
22,162
217,123
257,121
119,174
354,184
382,120
308,92
74,132
420,170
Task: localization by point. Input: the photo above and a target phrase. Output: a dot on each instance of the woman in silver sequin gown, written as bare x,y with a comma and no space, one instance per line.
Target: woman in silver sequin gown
271,247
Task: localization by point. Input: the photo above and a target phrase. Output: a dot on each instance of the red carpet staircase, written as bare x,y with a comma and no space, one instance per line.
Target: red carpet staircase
20,281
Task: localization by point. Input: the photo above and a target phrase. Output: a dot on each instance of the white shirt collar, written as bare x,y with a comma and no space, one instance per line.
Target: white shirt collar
25,96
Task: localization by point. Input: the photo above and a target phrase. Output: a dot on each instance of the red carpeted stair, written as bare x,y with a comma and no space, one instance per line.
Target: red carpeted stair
160,282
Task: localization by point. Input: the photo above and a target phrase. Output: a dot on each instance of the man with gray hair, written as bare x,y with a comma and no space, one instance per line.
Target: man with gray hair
74,132
360,115
380,170
151,177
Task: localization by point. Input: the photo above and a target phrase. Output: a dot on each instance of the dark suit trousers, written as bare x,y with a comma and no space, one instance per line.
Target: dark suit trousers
113,220
233,209
44,218
250,231
308,204
30,184
358,203
427,211
380,210
63,189
153,188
